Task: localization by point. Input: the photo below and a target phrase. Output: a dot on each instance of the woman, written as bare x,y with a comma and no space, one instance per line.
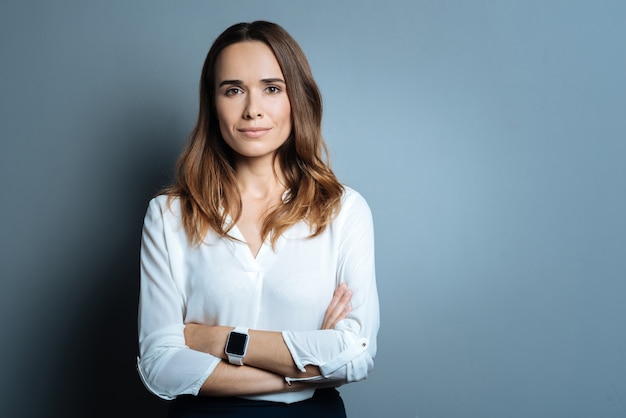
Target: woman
258,293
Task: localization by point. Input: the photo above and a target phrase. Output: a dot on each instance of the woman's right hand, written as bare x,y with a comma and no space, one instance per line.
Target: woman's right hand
339,307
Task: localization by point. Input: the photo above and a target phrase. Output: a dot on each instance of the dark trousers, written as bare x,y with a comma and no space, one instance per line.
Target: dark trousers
326,403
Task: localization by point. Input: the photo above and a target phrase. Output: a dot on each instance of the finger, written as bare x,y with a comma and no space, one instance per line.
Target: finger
347,306
346,297
335,302
339,292
346,311
338,301
331,322
339,308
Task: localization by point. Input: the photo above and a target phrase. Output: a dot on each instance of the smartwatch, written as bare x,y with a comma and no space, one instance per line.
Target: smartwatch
237,345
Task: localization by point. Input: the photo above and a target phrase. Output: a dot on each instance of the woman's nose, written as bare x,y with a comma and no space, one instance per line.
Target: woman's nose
253,108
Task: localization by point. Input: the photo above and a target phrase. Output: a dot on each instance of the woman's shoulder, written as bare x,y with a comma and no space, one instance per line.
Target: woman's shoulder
352,196
163,205
352,201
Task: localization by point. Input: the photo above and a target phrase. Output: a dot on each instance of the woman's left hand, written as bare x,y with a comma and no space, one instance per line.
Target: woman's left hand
339,307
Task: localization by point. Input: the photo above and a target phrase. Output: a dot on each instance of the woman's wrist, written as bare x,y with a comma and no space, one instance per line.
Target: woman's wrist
207,339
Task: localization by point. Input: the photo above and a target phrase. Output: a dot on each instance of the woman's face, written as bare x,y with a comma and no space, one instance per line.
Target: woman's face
251,99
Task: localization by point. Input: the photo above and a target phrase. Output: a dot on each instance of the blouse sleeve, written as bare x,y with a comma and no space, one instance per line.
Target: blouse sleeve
166,366
346,353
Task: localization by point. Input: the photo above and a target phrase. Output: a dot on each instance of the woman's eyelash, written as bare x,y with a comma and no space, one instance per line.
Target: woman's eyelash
232,91
236,90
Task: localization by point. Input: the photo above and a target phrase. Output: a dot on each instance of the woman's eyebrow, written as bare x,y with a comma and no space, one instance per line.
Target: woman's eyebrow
273,80
230,82
263,80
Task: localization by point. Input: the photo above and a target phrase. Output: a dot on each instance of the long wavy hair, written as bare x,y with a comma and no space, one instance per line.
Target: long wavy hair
205,177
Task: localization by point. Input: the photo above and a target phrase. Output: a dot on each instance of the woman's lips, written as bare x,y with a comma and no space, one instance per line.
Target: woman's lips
254,133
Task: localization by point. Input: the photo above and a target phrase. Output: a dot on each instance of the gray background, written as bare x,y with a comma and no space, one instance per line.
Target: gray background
487,136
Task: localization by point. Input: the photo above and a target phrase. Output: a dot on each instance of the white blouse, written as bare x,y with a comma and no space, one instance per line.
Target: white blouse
284,289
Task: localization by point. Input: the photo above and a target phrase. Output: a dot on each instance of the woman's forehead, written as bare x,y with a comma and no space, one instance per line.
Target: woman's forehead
247,61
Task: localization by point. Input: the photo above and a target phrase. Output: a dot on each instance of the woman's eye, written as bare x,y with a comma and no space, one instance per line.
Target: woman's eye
273,89
232,91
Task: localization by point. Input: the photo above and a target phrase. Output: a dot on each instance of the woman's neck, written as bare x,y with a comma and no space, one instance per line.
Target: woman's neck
259,180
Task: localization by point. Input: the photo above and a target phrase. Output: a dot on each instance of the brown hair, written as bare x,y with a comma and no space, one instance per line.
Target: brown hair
205,179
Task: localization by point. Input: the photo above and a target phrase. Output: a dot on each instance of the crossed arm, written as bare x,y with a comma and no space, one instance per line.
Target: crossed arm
267,359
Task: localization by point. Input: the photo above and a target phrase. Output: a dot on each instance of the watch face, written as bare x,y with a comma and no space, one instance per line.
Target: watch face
236,344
